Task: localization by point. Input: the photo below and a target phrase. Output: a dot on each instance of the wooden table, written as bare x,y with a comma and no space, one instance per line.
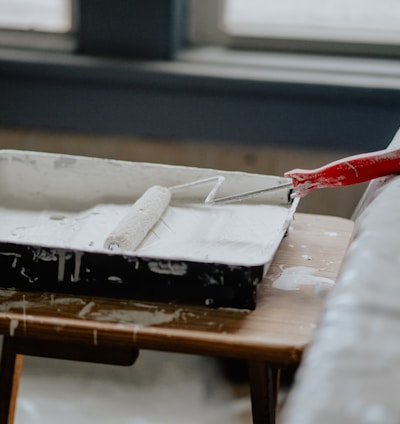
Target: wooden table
113,330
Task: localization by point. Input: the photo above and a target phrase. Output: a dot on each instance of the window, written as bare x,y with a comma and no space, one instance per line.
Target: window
352,20
45,25
339,26
36,15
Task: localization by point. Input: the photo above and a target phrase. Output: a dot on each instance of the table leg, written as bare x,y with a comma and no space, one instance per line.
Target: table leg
10,370
264,387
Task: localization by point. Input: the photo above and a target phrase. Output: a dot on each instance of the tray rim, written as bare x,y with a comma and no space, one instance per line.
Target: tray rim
290,207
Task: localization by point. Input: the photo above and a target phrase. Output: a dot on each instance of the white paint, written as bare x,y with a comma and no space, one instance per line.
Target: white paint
77,205
144,318
13,325
236,234
16,257
45,255
145,305
236,311
86,309
168,268
66,301
61,265
7,292
114,279
18,305
30,279
24,304
331,233
293,278
77,270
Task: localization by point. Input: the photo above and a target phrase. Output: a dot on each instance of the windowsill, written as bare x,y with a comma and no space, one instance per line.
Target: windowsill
37,41
213,93
221,63
294,68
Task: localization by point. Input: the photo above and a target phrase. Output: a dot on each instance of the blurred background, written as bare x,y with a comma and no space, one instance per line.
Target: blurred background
251,85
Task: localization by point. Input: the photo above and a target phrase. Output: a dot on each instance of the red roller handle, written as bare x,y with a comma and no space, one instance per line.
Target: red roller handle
351,170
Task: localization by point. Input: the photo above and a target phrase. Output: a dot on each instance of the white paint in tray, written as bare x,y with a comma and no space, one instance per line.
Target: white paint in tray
74,203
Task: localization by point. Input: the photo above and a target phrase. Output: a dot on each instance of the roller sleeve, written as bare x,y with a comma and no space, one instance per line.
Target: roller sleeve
140,219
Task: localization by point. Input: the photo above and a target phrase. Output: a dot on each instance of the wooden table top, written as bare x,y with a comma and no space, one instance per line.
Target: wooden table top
289,304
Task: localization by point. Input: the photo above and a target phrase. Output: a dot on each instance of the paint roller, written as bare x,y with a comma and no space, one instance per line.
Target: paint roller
343,172
149,208
147,211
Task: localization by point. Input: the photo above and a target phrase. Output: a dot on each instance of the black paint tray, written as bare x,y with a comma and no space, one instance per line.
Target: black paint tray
57,210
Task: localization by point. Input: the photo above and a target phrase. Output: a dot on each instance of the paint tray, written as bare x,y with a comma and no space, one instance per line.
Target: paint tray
57,210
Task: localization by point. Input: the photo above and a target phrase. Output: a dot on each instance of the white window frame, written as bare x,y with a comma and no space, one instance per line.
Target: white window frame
204,22
34,19
52,41
206,27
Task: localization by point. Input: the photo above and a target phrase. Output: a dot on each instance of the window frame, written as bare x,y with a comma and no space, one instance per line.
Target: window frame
124,28
130,28
299,41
